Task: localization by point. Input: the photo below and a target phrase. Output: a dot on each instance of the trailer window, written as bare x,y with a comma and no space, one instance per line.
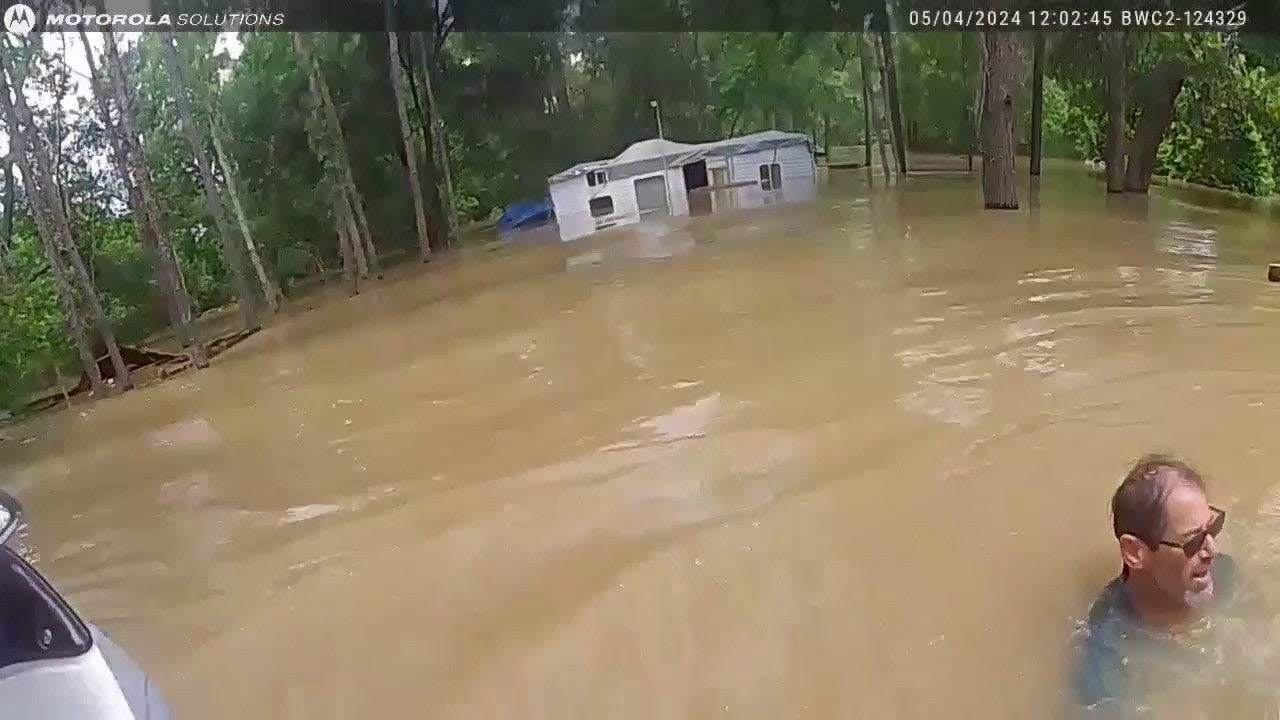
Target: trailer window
602,205
770,176
596,177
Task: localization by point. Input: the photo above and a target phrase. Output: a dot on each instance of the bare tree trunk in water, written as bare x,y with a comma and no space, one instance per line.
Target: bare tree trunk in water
28,145
231,250
406,137
886,119
999,189
1159,93
357,248
269,288
436,138
342,222
338,144
1037,103
1117,97
968,110
826,136
895,103
128,153
866,106
877,116
979,97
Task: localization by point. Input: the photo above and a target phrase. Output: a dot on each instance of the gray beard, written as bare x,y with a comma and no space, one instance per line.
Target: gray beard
1198,600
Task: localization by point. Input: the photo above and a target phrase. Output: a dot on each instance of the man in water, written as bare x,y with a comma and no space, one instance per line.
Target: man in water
1172,574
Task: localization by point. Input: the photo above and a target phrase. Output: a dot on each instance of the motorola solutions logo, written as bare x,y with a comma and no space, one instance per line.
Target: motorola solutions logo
20,19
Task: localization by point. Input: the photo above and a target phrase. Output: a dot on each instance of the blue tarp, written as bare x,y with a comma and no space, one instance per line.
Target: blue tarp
525,214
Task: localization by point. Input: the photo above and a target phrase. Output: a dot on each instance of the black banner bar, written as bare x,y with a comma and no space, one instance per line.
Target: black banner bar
647,15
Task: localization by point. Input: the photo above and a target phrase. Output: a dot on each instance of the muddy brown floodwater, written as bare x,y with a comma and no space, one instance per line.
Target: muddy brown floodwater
850,459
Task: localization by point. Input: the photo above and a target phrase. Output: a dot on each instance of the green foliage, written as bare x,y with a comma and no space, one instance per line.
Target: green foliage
1225,130
938,78
33,330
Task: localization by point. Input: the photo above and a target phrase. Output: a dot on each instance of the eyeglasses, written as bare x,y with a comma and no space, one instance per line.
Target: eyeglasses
1193,545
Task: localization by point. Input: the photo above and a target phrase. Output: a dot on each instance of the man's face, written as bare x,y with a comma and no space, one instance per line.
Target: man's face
1187,515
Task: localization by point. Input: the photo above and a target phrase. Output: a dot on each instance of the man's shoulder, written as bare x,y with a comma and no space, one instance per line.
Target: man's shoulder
1099,670
1111,604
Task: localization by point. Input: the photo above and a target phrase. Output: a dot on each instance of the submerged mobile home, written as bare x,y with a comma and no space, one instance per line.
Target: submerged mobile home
655,178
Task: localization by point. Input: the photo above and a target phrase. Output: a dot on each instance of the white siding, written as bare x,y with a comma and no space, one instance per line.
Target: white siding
571,197
799,180
571,200
679,196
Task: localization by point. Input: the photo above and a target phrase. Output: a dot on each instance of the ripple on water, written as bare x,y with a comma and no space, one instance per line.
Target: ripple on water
1180,238
956,400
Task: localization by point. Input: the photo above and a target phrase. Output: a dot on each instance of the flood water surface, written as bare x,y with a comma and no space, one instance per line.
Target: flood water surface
850,459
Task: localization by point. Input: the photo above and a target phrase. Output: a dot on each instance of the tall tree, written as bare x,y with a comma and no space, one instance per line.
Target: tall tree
342,224
1037,102
866,105
232,251
877,108
6,223
968,107
336,144
438,133
894,101
218,133
58,271
1157,96
269,288
406,138
129,156
46,200
1117,98
999,188
321,146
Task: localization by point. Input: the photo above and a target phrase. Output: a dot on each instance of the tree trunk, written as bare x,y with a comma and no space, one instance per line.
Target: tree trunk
231,249
1117,97
269,288
866,105
342,223
27,143
999,189
979,98
337,142
1160,92
826,136
320,138
6,231
66,294
357,247
437,138
558,80
968,110
128,153
1037,103
886,121
876,114
895,102
406,137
